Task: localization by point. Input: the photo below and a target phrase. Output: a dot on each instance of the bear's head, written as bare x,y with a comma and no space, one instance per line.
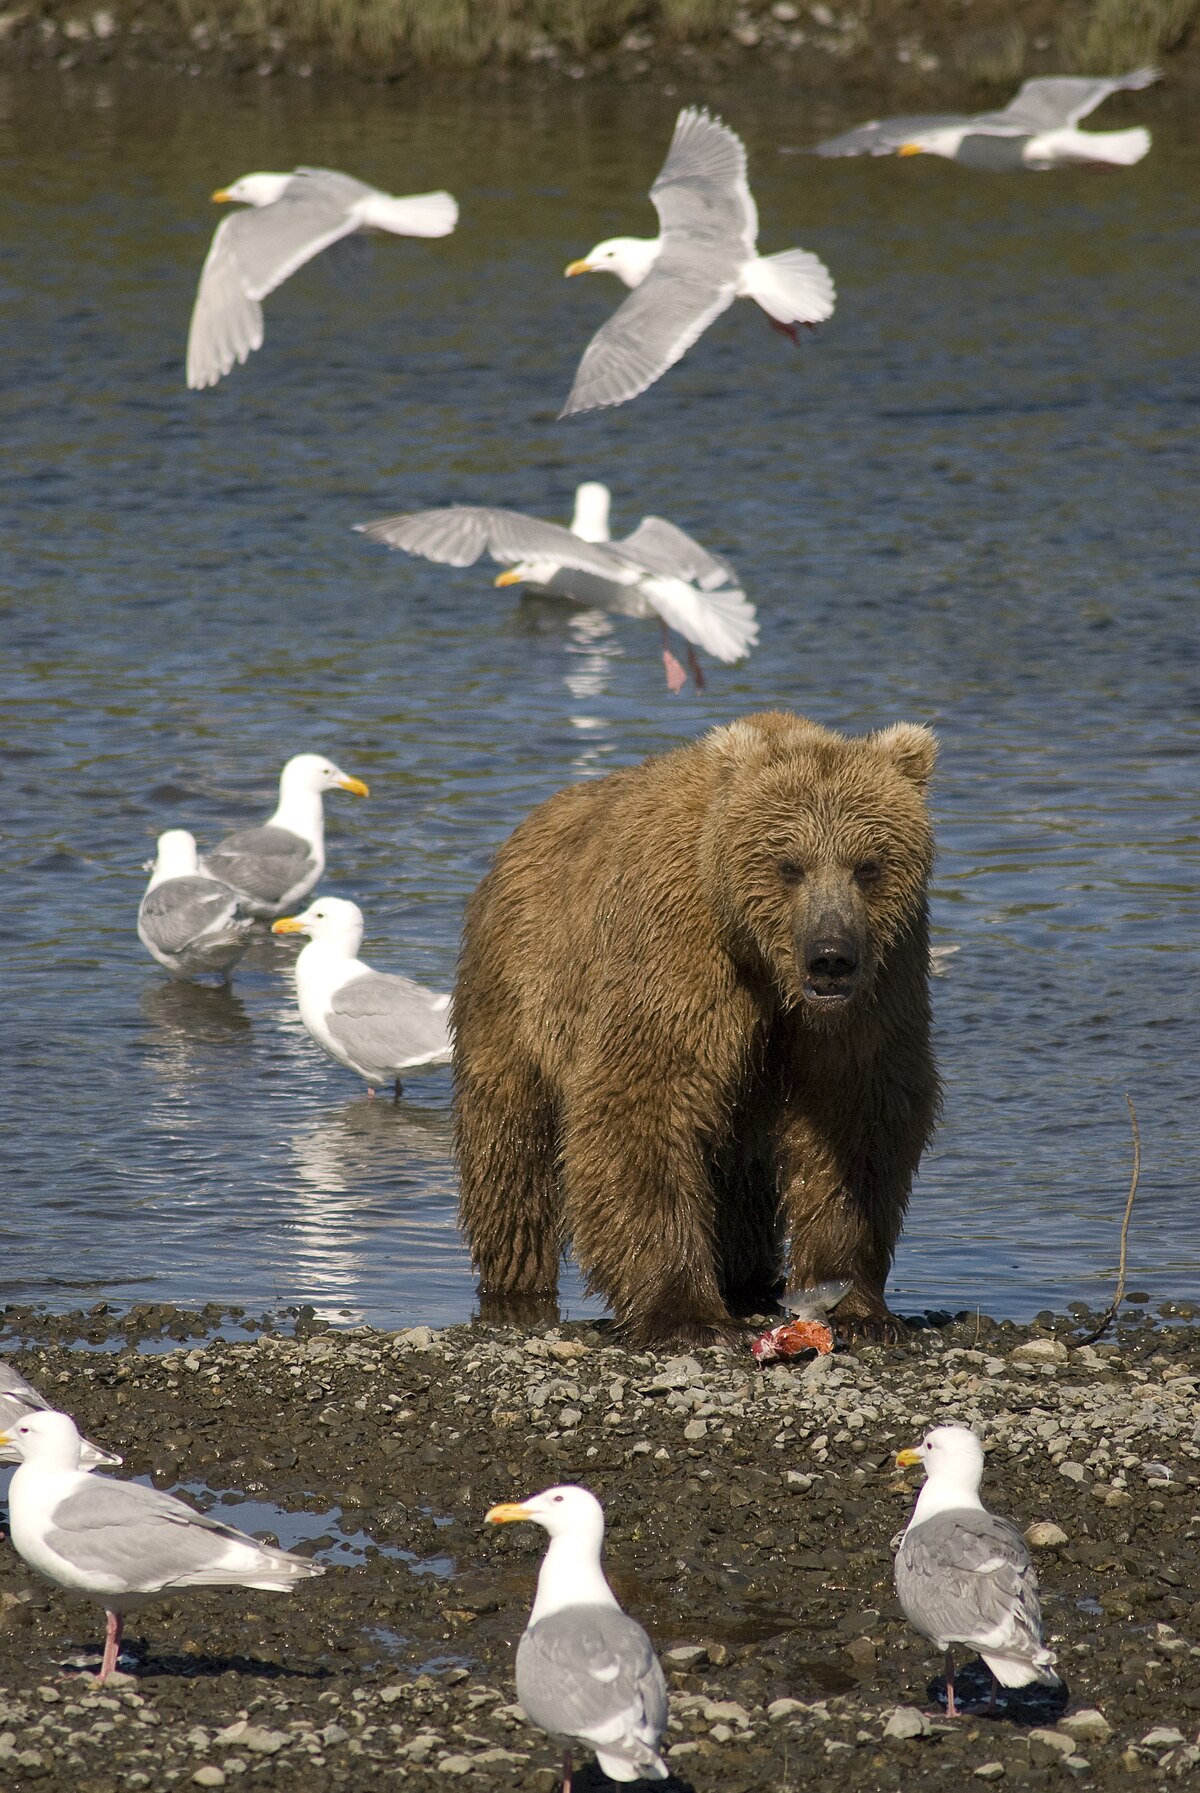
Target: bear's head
816,854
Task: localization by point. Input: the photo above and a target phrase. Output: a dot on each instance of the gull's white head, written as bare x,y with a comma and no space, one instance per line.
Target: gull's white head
565,1512
176,855
335,921
253,189
48,1438
311,772
629,258
592,501
537,572
952,1457
942,140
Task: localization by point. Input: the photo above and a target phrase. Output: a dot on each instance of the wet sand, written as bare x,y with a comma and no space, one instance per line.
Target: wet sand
750,1514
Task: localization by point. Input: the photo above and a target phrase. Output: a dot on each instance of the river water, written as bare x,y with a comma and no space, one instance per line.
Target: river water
971,500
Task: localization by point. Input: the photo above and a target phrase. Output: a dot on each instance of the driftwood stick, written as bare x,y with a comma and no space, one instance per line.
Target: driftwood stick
1111,1315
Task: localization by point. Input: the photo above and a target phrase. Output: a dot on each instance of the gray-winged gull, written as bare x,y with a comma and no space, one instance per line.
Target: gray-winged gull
586,1671
373,1022
1036,130
292,217
658,570
702,260
962,1575
118,1542
188,922
270,868
18,1399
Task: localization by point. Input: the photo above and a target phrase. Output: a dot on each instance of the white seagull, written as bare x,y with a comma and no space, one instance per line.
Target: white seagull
962,1575
121,1543
18,1399
658,570
188,922
272,867
292,217
373,1022
586,1672
1036,130
702,260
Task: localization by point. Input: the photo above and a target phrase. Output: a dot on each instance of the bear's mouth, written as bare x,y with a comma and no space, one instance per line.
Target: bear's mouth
822,992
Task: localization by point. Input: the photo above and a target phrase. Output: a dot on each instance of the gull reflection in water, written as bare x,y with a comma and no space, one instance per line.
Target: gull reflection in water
190,1024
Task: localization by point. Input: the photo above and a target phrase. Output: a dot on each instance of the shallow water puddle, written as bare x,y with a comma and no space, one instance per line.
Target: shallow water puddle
336,1544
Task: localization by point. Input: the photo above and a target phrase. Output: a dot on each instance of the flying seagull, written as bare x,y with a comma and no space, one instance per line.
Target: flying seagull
373,1022
962,1575
122,1543
702,260
188,922
272,867
586,1671
18,1399
292,217
658,570
1037,129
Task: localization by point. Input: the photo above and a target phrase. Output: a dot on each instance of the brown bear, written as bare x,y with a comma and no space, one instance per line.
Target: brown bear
691,1016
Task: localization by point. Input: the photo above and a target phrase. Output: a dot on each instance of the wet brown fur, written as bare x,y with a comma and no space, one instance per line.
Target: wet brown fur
638,1068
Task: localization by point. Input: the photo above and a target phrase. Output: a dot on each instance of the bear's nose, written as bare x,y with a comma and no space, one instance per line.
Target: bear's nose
831,957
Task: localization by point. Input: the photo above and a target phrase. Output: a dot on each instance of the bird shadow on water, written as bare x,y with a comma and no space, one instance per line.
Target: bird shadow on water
1037,1704
591,1778
136,1660
194,1013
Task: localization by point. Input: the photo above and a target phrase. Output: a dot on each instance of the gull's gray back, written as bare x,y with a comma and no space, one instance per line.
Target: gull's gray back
585,1666
966,1575
662,547
263,863
884,136
174,912
385,1022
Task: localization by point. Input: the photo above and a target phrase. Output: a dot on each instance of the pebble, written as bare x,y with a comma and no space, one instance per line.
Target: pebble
1163,1737
1043,1534
905,1724
1039,1351
989,1771
209,1776
1086,1726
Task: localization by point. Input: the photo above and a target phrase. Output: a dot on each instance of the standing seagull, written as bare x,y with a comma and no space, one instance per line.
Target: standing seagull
373,1022
272,867
18,1399
586,1672
188,922
962,1575
658,570
292,217
119,1542
702,260
1036,130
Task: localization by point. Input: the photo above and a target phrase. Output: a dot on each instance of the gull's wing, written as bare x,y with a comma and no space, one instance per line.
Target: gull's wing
702,193
664,548
388,1021
142,1540
722,622
589,1672
884,136
966,1576
1049,102
18,1399
652,328
458,534
176,912
252,253
260,863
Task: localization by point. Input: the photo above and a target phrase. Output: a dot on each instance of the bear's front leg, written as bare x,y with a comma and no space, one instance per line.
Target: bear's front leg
843,1221
639,1205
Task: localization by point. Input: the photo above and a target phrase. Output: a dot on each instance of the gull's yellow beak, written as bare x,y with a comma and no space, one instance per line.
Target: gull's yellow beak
354,784
505,1513
910,149
577,267
512,577
907,1459
7,1438
221,196
287,924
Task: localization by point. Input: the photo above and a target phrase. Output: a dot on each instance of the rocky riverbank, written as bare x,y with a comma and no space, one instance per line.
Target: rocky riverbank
750,1514
893,47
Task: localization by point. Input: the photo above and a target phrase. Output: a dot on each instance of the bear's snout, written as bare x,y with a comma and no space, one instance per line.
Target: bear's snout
831,954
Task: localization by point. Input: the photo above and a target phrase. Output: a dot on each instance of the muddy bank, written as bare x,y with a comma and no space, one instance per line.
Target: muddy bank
893,47
750,1513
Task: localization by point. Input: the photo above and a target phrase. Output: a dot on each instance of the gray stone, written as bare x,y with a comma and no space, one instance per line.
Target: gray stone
209,1776
989,1771
905,1723
1039,1351
1163,1737
1088,1725
1043,1534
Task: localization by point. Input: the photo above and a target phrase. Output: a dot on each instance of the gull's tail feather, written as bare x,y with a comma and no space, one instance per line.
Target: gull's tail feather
793,287
418,215
1020,1671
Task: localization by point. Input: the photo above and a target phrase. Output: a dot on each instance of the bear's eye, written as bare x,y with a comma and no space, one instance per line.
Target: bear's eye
791,871
868,871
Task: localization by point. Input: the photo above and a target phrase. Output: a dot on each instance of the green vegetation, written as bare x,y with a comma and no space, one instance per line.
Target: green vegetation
1115,35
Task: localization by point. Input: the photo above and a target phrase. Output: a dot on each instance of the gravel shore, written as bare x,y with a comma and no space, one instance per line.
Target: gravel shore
750,1513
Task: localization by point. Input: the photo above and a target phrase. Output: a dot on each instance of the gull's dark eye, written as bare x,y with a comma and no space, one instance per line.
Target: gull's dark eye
791,871
558,1499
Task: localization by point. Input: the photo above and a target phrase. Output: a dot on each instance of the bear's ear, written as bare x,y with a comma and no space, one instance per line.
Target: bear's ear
912,749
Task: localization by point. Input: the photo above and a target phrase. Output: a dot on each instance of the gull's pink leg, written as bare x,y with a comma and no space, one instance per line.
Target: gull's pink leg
567,1771
951,1708
697,669
676,676
112,1647
783,329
